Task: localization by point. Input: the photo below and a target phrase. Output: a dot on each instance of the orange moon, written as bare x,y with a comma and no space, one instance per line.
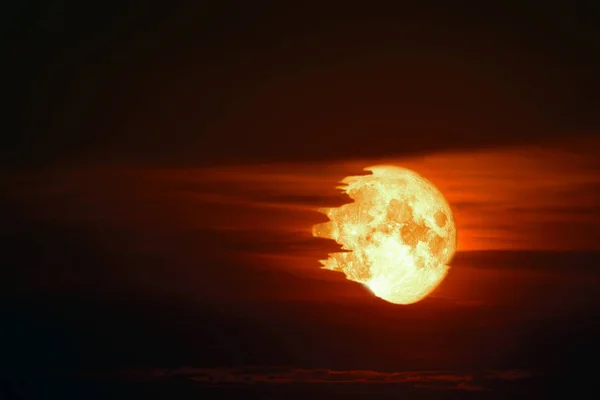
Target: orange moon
399,234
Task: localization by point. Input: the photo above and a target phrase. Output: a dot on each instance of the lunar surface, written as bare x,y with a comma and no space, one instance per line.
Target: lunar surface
398,233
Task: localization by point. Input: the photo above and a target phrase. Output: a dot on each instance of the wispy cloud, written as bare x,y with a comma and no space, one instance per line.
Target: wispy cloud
522,198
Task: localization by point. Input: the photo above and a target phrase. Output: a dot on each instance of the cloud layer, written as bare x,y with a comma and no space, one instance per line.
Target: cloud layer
437,380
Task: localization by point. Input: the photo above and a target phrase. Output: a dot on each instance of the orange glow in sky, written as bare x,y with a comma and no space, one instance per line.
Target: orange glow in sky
527,198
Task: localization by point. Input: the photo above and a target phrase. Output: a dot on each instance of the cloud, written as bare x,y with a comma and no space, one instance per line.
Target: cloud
434,380
223,224
509,375
507,198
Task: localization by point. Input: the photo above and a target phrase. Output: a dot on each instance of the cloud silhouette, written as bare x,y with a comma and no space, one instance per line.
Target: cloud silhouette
434,380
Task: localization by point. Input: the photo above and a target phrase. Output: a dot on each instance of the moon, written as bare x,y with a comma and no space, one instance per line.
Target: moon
398,235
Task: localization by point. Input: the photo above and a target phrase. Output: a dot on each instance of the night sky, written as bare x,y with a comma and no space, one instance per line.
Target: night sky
163,165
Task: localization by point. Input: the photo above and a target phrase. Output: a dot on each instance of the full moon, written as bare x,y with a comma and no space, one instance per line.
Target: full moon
398,235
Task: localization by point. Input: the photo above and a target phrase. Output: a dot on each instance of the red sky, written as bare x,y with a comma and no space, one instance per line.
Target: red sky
259,217
528,198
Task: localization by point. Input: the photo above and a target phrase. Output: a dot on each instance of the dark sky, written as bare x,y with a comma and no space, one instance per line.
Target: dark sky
203,82
163,164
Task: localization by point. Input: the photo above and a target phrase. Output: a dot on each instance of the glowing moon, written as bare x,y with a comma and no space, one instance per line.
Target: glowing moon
399,233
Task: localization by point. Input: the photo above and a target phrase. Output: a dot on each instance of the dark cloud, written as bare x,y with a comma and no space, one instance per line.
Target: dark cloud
547,261
434,380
